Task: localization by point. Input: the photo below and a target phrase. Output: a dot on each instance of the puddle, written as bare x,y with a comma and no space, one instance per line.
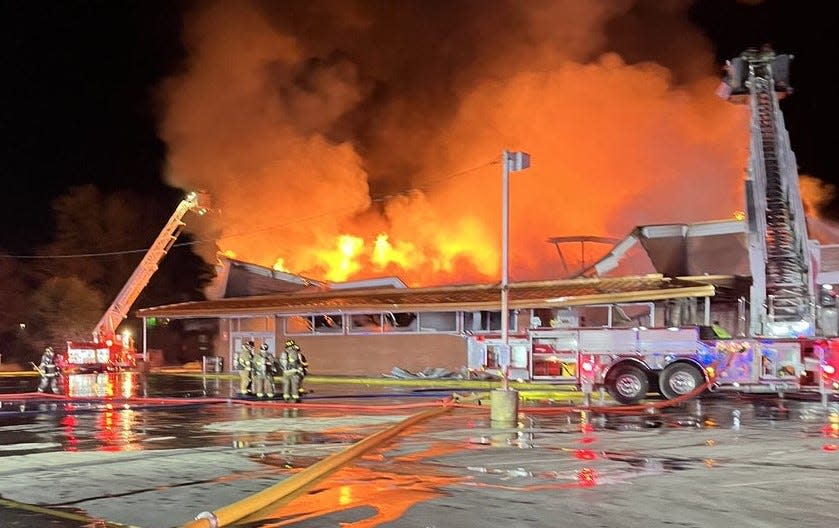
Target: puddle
654,464
358,495
18,514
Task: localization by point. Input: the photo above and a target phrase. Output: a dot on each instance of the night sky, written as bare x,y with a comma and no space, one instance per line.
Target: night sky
77,98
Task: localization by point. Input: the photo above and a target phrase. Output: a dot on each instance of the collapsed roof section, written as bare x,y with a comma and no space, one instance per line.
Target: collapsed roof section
237,278
678,250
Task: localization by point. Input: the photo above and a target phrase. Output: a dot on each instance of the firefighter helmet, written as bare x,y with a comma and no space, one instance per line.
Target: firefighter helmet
290,343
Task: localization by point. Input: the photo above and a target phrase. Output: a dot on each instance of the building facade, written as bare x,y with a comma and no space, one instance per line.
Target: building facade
370,330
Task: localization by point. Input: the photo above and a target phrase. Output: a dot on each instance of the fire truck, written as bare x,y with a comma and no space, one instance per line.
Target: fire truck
113,350
629,362
782,352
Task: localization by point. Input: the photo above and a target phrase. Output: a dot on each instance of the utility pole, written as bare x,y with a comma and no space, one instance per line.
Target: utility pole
510,162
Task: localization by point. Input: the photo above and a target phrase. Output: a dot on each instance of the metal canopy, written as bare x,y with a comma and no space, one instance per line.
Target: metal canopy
545,294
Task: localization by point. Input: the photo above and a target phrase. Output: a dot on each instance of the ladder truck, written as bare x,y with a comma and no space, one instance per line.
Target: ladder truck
783,352
109,349
783,297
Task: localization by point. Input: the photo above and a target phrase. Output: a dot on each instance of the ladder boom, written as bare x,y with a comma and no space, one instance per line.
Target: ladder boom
118,310
782,293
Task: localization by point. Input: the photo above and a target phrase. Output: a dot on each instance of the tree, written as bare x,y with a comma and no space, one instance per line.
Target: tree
89,222
13,289
16,283
124,223
62,309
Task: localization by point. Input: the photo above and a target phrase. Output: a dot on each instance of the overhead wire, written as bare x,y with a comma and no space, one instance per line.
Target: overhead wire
377,199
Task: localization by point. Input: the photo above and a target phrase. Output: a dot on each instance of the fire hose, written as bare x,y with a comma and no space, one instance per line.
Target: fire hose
297,483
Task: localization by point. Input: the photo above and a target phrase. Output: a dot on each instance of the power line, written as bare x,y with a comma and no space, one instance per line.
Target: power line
378,199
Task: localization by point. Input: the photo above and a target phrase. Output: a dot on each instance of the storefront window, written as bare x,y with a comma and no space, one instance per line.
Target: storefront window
314,324
400,322
486,321
298,324
632,315
438,321
365,323
328,324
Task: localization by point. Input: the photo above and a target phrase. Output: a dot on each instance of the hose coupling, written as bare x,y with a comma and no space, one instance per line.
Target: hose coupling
210,517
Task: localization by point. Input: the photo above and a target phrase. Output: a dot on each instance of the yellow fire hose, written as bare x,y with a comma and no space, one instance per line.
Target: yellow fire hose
293,485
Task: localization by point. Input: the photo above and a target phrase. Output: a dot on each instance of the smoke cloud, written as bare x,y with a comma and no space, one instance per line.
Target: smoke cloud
349,139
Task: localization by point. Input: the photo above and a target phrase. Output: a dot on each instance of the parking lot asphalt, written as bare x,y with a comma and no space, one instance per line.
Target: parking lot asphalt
187,447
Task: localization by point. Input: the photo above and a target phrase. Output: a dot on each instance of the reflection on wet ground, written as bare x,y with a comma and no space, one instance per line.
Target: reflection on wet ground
459,454
169,459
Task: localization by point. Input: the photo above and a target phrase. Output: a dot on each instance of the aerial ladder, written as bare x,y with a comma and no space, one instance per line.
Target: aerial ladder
110,349
782,291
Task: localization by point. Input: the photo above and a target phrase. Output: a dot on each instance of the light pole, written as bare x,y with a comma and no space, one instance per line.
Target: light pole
510,162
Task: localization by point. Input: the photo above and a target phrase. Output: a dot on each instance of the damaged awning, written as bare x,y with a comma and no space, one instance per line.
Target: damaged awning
543,294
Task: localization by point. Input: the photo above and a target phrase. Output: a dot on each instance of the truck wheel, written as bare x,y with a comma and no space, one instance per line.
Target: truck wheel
627,384
678,379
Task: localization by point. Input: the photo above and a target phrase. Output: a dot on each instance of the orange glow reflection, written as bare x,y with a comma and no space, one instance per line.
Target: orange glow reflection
102,385
390,494
587,477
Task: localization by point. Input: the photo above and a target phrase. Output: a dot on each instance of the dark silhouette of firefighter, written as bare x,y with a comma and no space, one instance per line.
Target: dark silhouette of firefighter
294,367
49,371
244,364
263,372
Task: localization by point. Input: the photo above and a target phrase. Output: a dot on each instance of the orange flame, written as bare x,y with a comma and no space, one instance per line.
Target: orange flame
279,265
614,145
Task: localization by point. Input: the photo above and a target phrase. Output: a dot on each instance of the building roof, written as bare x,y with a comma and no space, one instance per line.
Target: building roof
544,294
675,250
379,282
237,278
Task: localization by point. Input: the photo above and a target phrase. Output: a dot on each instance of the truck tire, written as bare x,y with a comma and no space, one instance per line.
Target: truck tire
678,379
627,384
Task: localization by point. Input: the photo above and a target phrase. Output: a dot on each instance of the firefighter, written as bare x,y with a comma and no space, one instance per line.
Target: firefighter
293,371
271,369
262,370
304,365
244,363
49,372
304,369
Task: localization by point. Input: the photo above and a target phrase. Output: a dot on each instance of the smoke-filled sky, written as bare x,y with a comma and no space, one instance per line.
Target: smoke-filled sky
355,138
322,128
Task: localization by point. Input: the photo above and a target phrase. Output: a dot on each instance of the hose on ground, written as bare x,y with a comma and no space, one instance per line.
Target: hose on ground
293,485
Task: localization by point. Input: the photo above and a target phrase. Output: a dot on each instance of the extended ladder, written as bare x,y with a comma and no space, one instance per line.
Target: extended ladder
118,310
782,293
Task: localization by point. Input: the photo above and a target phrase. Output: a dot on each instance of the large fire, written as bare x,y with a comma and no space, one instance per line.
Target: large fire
363,144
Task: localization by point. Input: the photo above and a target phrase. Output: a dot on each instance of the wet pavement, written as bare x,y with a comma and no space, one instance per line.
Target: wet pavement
171,451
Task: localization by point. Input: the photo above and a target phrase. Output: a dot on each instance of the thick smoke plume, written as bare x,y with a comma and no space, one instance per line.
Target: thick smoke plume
352,139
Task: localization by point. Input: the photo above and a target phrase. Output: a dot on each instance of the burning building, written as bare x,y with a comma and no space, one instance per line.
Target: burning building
362,142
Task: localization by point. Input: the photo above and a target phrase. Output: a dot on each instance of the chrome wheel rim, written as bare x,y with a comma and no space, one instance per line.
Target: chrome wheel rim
628,385
682,382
